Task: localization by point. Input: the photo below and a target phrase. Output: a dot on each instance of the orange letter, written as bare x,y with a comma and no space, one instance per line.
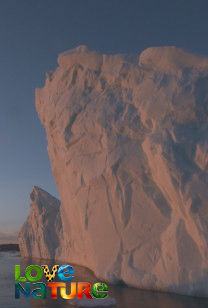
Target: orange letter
73,292
54,286
86,291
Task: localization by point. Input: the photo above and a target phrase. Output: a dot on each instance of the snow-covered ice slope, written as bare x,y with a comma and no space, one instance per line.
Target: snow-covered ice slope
127,140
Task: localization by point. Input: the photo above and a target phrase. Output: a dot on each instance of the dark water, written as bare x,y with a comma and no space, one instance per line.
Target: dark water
125,297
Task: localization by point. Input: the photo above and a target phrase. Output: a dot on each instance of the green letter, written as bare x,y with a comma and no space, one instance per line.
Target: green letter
99,287
38,275
17,274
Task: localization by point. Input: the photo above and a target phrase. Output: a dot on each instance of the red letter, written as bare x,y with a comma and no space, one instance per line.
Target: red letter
86,291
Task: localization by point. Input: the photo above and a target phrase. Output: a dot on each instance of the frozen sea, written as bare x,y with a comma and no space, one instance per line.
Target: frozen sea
125,297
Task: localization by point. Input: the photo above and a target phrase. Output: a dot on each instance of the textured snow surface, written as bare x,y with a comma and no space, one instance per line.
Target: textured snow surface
127,140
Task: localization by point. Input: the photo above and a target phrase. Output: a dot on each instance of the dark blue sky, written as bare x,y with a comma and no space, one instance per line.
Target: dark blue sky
32,34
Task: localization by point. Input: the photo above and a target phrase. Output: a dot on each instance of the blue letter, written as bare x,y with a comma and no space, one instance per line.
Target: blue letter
41,290
19,288
69,270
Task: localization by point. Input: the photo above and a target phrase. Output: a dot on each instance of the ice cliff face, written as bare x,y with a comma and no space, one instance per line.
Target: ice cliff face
41,233
127,140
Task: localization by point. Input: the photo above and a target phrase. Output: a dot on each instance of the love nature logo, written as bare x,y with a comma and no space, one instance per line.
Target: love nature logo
31,286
